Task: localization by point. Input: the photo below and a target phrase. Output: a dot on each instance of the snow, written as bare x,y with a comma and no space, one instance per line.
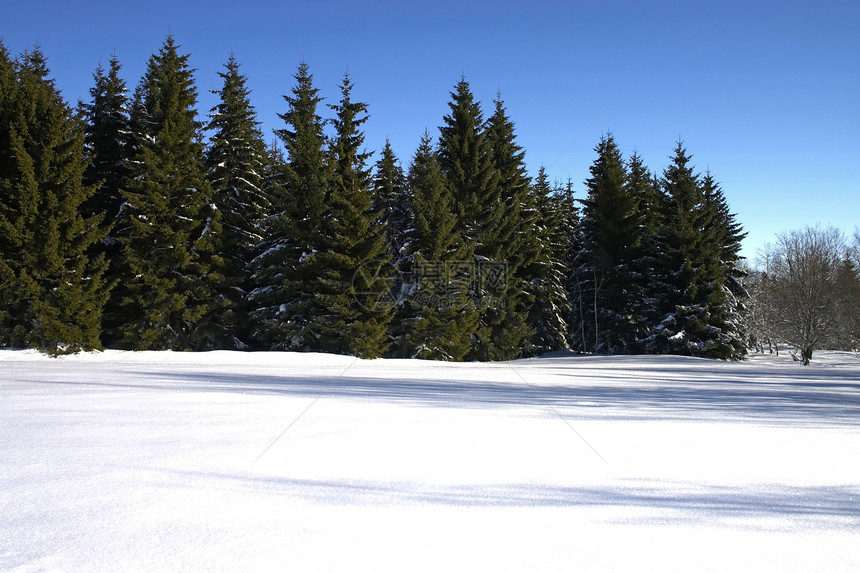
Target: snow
164,461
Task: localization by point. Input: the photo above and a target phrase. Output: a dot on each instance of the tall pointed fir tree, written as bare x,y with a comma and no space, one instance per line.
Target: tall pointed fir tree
173,226
690,317
552,229
287,268
356,271
107,140
514,241
466,159
643,187
52,292
391,197
438,317
108,147
726,301
235,167
611,236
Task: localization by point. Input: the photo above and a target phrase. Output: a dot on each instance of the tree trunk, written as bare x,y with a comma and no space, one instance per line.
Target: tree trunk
807,356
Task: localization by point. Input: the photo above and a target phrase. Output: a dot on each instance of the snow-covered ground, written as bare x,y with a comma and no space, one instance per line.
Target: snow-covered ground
306,462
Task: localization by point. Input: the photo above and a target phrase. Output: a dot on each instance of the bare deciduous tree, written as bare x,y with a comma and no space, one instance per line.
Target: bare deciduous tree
807,296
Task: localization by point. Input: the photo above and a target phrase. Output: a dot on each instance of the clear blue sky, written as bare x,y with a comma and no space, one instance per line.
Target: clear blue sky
765,94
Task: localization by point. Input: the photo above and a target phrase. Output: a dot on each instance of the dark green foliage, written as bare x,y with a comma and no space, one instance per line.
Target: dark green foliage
108,148
466,159
52,292
611,237
553,229
287,269
391,197
173,225
438,317
305,247
356,272
644,188
700,245
726,302
107,141
235,166
514,242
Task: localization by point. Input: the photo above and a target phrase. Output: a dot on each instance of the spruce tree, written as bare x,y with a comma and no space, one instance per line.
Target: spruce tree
466,159
725,303
642,185
235,167
390,197
173,225
356,272
108,148
610,241
552,229
438,316
517,246
679,225
52,292
17,211
696,301
287,269
107,140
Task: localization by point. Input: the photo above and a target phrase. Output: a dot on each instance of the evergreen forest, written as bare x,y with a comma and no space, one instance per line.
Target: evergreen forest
133,221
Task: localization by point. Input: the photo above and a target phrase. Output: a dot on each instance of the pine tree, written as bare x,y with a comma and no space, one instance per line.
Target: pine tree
695,301
728,293
287,269
678,226
173,225
438,316
51,292
514,240
643,187
107,140
17,211
235,167
391,198
356,273
553,230
466,159
611,238
108,148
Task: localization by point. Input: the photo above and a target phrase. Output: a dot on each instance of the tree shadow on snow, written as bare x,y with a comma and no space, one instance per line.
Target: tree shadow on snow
583,390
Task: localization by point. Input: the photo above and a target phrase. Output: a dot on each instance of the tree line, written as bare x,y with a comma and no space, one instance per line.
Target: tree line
128,222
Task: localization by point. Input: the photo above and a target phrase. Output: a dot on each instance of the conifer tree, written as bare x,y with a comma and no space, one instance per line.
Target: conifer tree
696,303
728,293
51,292
235,167
390,196
108,148
173,225
438,317
356,271
553,230
643,186
610,241
466,159
287,269
679,261
517,245
107,140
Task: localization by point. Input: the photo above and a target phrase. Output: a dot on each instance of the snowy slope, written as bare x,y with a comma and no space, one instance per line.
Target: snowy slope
306,462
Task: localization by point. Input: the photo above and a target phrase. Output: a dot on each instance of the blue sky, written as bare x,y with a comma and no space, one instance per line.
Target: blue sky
764,94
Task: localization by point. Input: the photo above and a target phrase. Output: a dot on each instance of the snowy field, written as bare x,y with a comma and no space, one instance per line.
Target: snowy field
306,462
